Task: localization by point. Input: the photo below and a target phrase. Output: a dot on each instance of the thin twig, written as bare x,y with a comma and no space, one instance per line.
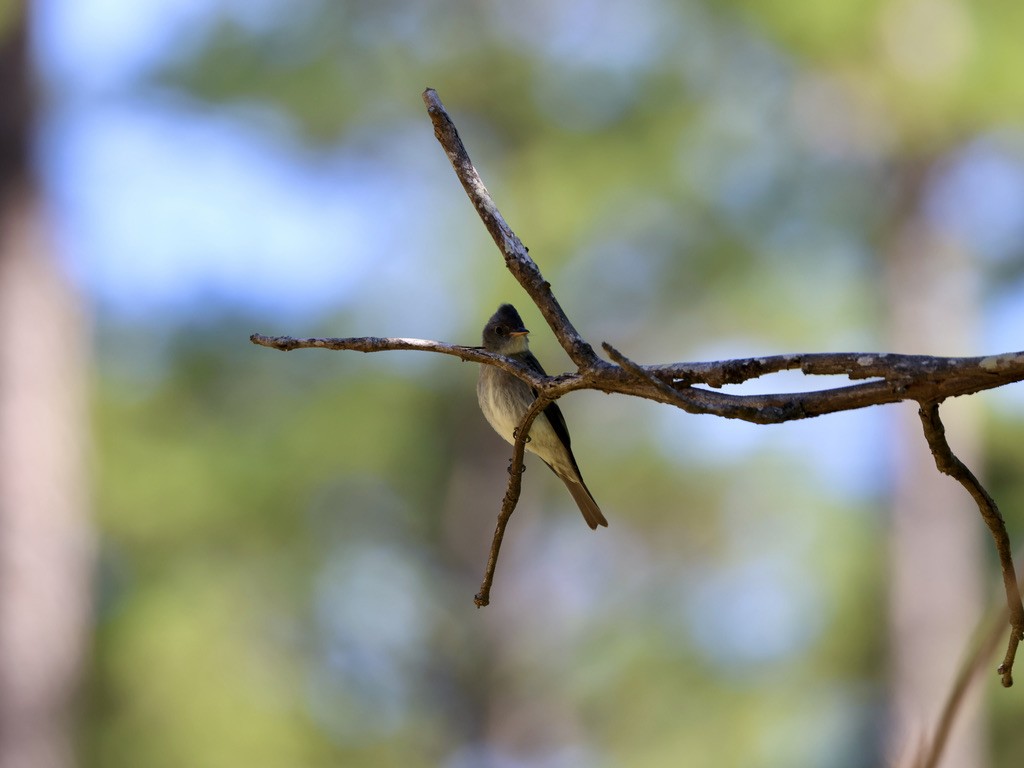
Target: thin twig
384,344
984,647
516,468
947,463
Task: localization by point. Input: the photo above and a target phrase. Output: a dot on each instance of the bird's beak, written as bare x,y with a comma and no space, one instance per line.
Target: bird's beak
518,333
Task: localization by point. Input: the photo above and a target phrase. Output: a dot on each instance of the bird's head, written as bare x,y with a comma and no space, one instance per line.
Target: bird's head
504,332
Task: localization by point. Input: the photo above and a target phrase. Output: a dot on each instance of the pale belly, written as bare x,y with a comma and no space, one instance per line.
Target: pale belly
504,406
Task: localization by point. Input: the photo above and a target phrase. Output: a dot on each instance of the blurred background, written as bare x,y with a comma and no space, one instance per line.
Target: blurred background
214,554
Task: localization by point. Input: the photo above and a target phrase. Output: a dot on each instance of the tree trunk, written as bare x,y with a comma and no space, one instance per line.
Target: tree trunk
45,541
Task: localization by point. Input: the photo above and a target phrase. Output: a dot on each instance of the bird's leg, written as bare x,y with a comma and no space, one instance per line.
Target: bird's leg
515,435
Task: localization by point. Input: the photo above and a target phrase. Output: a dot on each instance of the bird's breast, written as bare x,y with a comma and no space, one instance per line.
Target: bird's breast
504,400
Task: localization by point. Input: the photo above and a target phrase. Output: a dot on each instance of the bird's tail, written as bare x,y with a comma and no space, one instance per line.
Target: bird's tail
581,495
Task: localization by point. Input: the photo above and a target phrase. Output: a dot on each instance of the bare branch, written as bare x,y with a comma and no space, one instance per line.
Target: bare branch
892,378
901,377
947,463
517,256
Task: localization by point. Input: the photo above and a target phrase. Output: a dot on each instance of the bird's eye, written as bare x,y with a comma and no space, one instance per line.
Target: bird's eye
501,330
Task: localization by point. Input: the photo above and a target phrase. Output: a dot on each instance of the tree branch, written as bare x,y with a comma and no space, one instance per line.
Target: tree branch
899,377
891,378
517,256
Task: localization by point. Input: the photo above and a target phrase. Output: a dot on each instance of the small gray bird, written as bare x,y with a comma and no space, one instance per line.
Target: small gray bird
504,399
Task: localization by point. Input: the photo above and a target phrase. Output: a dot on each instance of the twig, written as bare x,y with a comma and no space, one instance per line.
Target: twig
947,463
516,468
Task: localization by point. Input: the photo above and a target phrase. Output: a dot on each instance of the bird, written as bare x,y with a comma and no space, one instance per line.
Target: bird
504,400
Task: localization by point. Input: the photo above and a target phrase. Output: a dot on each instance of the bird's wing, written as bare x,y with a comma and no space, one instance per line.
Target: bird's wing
580,493
557,421
552,411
